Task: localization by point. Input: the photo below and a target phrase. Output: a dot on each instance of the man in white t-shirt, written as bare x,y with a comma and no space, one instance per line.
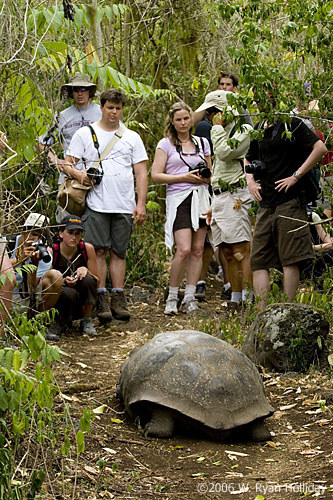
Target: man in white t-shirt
111,204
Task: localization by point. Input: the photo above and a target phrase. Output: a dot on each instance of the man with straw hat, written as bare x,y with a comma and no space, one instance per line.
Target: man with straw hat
81,113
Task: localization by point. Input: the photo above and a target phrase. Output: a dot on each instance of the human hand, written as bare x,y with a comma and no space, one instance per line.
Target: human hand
139,214
254,188
285,184
208,216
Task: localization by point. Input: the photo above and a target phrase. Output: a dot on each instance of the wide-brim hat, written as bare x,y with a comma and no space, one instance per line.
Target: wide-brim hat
71,222
79,80
35,220
217,99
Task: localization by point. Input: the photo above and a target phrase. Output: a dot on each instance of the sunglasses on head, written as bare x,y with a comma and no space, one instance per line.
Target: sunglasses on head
80,89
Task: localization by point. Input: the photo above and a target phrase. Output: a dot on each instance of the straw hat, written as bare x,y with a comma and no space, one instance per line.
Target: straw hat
79,80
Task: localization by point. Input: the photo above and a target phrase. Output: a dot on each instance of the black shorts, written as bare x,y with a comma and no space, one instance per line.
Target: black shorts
183,216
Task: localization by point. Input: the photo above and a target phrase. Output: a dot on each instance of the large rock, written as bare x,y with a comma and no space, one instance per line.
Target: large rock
288,337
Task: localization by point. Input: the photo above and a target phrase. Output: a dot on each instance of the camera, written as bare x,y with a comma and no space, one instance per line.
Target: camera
74,277
95,174
43,253
255,168
204,171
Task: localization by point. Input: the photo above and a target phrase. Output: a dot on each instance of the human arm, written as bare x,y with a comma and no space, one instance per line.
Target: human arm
325,238
318,151
252,184
3,142
197,116
219,136
69,168
141,177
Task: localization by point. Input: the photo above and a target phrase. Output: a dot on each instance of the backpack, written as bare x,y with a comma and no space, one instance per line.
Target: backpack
56,252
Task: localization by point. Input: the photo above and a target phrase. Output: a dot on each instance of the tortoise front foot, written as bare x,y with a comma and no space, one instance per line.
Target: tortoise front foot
161,424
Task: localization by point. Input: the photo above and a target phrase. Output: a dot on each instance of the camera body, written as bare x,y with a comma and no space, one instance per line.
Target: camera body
256,168
95,174
42,249
204,171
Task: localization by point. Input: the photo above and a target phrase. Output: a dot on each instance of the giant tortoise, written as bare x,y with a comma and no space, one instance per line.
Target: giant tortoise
197,381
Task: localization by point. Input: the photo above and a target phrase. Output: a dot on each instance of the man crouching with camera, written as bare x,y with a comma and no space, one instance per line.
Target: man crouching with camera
40,288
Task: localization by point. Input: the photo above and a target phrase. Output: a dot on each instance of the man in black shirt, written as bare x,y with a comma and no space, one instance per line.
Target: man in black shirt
275,185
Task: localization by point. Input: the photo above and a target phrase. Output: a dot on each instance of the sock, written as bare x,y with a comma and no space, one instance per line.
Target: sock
247,295
113,290
101,290
201,282
173,292
189,292
236,297
226,287
220,269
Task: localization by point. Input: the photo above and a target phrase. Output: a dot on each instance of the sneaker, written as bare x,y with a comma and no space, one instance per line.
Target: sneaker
119,306
200,292
171,307
189,306
87,327
102,307
226,294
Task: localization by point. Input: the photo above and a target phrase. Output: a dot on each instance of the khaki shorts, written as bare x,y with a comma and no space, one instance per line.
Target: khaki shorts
273,245
231,221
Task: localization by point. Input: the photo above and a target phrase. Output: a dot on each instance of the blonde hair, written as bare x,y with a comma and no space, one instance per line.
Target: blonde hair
170,130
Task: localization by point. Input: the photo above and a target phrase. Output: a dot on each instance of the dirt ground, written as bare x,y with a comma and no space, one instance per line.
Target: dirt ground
119,463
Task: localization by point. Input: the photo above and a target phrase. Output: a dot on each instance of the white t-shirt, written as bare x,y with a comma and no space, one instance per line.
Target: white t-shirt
115,193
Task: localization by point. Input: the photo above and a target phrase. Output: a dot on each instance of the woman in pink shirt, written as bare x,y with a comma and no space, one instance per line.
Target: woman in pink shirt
183,162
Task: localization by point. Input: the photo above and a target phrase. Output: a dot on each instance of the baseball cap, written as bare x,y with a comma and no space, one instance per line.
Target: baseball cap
71,222
36,220
217,99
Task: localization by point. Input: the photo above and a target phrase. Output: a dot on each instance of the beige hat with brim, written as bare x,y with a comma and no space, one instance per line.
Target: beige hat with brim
79,80
36,220
217,99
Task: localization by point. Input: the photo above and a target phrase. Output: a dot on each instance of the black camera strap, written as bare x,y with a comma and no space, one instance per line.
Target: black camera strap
96,145
197,150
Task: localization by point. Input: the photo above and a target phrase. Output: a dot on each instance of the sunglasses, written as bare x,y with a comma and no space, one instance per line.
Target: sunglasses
80,89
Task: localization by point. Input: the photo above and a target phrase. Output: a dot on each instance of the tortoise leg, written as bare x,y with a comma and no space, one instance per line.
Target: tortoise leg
257,431
161,424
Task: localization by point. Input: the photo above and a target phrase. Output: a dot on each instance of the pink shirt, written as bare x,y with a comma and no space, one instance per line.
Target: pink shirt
175,165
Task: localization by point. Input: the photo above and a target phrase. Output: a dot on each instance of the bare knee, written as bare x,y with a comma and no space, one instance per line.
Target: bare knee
183,253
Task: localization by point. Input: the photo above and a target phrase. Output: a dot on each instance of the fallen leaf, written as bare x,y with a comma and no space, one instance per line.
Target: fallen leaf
200,459
287,407
82,364
91,469
116,420
99,410
238,453
110,450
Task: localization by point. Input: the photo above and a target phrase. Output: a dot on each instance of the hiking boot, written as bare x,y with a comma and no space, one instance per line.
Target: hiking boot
87,327
200,292
103,308
226,294
220,276
119,306
234,307
189,306
53,332
171,307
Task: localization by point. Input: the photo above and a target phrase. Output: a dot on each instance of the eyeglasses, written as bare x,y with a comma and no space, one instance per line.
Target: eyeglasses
80,89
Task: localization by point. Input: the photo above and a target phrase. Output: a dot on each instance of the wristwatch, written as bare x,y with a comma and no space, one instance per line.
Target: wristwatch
296,175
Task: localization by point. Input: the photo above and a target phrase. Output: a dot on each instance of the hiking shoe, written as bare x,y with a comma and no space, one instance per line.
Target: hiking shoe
102,307
234,307
220,276
87,327
53,332
200,292
189,306
226,294
119,306
171,307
